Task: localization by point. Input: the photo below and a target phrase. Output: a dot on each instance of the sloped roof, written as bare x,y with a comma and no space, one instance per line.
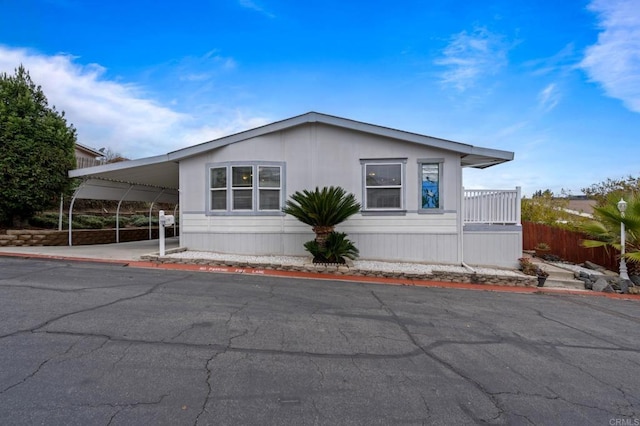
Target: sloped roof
88,150
161,172
472,156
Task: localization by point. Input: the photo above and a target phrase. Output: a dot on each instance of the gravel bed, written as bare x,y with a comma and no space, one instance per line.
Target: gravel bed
362,265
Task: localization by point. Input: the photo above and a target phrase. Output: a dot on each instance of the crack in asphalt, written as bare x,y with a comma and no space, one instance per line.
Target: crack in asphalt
93,308
227,348
217,346
126,406
502,340
439,360
39,367
70,290
601,309
542,315
29,273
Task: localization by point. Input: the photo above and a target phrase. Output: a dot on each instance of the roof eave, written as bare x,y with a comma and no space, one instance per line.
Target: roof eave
315,117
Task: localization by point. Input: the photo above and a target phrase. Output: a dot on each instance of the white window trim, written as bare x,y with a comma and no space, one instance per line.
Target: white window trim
440,163
210,190
402,162
255,189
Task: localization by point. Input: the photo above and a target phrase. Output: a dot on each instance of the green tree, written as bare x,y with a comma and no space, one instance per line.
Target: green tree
544,207
605,230
36,149
615,187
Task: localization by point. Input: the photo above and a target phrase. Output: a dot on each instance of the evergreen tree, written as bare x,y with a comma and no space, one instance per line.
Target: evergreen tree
36,149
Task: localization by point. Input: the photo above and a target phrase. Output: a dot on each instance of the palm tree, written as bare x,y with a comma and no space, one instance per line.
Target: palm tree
322,209
605,230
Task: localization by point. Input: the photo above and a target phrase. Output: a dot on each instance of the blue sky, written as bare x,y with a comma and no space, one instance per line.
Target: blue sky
557,82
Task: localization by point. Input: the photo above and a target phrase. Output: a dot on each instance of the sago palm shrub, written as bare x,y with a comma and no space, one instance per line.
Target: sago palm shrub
337,249
323,209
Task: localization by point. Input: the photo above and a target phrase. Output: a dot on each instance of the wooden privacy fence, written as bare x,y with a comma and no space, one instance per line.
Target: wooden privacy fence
566,244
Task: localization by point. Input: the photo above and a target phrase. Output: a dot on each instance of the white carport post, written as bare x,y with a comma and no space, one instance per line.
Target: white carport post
175,223
151,210
73,200
118,214
61,212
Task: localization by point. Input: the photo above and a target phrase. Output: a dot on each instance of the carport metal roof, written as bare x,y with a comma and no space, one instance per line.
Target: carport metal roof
147,179
154,180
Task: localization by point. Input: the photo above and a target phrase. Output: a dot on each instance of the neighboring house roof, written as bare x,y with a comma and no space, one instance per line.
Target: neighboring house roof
88,150
162,171
583,205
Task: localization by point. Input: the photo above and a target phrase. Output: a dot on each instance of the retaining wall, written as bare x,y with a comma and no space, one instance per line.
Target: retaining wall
441,276
41,237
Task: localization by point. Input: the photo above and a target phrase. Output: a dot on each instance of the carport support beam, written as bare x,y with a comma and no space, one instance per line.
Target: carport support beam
118,214
151,210
73,200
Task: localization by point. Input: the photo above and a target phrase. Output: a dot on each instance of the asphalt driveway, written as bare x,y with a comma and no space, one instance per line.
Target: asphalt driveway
105,344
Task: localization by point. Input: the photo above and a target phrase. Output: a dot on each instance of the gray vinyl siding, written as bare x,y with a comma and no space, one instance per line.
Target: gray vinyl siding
318,155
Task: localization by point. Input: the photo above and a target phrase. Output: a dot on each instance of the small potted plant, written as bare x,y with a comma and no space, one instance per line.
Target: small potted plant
542,249
530,268
542,276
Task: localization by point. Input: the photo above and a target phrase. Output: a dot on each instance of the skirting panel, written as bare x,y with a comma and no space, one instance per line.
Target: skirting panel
493,248
426,248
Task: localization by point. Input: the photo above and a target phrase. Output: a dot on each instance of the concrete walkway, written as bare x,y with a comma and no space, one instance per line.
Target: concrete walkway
130,251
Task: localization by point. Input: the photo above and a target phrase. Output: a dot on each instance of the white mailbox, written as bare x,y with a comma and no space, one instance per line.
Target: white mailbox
169,220
166,219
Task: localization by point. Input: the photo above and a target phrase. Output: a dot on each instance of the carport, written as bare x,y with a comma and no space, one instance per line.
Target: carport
152,180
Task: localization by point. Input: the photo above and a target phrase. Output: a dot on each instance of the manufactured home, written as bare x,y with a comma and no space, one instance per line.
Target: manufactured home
230,191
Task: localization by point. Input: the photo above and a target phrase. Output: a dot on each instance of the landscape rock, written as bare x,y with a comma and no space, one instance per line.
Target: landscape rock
624,286
594,266
603,285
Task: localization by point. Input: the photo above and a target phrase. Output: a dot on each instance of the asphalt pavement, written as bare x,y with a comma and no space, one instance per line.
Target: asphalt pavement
84,343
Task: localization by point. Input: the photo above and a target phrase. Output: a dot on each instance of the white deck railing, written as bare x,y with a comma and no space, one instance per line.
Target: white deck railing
492,206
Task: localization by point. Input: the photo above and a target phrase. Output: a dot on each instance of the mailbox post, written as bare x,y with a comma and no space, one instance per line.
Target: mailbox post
164,221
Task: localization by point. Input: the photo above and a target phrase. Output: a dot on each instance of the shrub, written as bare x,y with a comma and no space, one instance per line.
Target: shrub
47,221
141,221
88,222
337,249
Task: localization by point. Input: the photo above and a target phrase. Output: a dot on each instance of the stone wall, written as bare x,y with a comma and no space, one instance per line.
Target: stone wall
41,237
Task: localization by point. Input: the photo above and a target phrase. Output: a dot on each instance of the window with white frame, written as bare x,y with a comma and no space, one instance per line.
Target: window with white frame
245,188
383,184
430,171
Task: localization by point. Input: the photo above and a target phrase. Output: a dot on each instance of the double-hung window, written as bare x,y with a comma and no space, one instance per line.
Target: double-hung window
251,188
384,184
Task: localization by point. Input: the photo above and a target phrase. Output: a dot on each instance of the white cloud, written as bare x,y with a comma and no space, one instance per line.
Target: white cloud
250,4
563,61
118,115
470,57
202,68
614,61
548,97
